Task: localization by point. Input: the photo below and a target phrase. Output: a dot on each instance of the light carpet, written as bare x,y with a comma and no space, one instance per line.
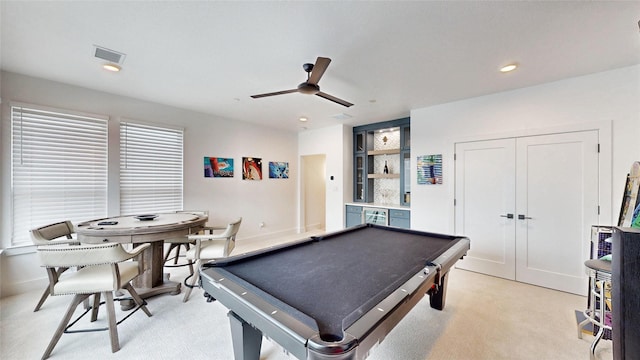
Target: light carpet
484,318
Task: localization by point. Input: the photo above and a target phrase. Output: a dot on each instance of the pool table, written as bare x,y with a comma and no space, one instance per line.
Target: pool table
333,296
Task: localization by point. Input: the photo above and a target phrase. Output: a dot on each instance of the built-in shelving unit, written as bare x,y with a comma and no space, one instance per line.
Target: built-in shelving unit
376,146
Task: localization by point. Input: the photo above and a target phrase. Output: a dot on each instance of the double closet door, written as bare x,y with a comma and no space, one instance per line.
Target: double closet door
527,204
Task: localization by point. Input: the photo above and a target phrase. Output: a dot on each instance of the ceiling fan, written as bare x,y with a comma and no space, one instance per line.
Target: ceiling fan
314,73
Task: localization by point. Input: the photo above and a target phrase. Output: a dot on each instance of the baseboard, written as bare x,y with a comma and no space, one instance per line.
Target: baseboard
23,287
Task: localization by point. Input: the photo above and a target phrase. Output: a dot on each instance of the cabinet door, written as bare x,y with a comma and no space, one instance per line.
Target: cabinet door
353,215
400,218
405,137
405,177
375,216
360,178
359,142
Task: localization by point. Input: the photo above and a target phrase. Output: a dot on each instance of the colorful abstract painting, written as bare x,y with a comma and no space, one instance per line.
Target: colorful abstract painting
278,170
218,167
430,169
251,168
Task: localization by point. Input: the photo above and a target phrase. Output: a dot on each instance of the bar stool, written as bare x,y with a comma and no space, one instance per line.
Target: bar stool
599,303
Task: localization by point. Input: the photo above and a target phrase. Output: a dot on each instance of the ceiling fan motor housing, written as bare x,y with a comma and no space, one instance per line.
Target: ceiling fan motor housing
307,88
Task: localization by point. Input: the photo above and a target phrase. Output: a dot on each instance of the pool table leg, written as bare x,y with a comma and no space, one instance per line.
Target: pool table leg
247,340
437,298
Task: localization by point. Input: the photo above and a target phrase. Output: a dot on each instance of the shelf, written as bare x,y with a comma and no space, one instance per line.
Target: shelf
383,152
383,176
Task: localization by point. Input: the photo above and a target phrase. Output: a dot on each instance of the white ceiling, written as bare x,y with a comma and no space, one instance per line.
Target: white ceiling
387,57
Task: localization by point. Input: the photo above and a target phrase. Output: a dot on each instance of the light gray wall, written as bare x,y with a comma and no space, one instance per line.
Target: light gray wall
270,201
608,99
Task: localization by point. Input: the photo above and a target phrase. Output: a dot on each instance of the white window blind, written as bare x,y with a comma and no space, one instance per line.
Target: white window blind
150,168
59,168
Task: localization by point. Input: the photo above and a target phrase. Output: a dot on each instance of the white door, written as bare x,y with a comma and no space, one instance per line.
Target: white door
485,205
527,204
557,202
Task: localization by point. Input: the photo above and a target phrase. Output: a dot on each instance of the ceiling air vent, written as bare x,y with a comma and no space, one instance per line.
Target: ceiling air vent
342,116
108,55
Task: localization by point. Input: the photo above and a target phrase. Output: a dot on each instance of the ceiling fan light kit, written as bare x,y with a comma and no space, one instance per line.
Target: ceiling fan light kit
310,87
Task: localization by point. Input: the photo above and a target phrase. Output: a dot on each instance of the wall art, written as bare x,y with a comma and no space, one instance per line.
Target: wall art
218,167
278,170
251,168
430,169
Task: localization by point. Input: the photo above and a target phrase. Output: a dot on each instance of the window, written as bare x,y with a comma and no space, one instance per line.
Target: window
150,168
58,168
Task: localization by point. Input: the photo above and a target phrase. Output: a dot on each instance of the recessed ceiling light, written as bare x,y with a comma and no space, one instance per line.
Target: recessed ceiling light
508,68
111,67
303,119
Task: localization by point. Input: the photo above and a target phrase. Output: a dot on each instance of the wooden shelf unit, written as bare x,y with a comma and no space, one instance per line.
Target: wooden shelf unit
383,176
384,152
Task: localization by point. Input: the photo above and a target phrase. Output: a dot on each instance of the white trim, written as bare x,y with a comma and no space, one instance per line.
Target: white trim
150,123
18,250
56,110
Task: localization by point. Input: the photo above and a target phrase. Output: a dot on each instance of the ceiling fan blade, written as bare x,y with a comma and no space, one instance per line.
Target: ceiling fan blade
275,93
334,99
318,70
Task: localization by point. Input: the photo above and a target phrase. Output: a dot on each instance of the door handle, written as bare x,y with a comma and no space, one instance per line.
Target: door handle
522,217
508,216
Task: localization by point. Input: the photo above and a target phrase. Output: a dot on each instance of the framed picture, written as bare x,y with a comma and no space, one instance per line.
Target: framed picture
430,169
278,170
218,167
251,168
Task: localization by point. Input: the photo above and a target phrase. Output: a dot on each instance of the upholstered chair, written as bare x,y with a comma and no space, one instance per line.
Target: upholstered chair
102,269
53,234
209,247
176,244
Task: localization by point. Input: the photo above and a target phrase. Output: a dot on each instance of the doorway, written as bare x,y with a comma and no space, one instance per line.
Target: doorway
313,193
527,204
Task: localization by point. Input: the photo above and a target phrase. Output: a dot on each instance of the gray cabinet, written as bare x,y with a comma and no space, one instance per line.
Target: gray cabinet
405,163
400,218
353,215
377,215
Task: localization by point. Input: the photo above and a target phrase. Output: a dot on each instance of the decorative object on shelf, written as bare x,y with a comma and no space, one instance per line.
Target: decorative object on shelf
218,167
385,139
386,168
430,169
278,170
251,168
